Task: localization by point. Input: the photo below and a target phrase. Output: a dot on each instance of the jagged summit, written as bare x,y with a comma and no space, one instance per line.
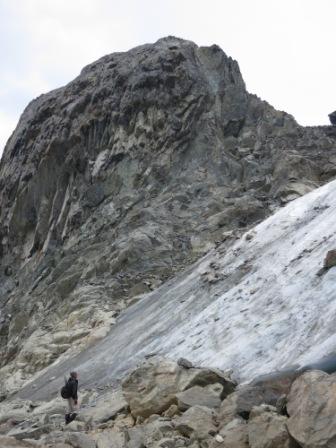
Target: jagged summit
118,181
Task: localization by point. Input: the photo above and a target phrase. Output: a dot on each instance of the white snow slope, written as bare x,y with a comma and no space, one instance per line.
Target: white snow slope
268,310
281,313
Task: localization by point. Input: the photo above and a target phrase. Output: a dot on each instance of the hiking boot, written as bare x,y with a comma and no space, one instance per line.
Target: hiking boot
72,417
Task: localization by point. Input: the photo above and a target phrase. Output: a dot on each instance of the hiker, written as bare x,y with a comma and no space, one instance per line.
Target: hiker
69,392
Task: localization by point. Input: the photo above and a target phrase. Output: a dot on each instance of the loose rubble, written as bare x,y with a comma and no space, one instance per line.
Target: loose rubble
165,405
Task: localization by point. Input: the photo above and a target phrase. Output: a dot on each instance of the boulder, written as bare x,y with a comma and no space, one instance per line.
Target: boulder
267,429
330,259
311,405
233,435
110,439
153,387
196,395
240,402
80,440
206,376
26,431
16,410
149,434
136,437
198,422
55,439
185,363
278,382
105,408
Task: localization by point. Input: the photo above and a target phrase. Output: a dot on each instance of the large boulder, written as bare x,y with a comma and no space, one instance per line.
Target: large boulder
198,422
153,387
208,396
234,434
311,406
157,432
241,402
267,429
105,408
278,382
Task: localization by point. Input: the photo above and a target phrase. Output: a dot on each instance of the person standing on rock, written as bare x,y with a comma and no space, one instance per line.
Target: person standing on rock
70,392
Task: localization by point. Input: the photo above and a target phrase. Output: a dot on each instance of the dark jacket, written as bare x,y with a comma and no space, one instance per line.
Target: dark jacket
72,386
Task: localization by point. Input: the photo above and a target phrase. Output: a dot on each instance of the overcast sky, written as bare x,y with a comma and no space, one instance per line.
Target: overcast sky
285,48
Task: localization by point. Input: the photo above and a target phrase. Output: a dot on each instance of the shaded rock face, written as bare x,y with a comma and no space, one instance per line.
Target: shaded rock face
115,182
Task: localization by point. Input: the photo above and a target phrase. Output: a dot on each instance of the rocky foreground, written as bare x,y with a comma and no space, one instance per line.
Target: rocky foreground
164,404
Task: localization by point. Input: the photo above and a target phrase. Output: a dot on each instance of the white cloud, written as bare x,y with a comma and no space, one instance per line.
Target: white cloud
285,49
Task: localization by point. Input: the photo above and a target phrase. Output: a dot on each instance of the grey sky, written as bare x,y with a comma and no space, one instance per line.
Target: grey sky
285,48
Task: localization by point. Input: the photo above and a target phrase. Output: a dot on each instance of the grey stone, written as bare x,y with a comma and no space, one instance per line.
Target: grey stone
110,439
106,407
311,405
80,440
241,402
267,429
197,421
153,387
197,395
330,259
10,442
29,432
185,363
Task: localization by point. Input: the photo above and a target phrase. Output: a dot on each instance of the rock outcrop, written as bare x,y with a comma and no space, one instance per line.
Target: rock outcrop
116,182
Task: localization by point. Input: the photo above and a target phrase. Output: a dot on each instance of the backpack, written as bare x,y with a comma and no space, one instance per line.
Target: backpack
65,391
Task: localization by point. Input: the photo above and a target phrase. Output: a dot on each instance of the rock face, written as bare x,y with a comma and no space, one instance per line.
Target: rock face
311,407
115,182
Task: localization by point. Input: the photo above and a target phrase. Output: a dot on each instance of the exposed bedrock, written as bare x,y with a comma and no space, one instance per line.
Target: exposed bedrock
114,183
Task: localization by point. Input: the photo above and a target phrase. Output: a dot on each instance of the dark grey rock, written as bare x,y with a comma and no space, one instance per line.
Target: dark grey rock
182,362
332,118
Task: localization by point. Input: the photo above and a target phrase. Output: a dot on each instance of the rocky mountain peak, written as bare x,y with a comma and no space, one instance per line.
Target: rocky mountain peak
116,182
